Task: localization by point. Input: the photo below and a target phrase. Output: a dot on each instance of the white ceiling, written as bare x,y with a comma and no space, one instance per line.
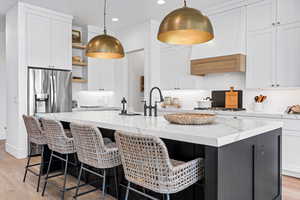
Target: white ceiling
128,11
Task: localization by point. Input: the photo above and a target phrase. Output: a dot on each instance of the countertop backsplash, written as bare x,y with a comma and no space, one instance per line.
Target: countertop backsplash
277,102
95,98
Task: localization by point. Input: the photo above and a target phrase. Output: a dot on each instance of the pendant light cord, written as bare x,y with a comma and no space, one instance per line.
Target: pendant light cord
105,32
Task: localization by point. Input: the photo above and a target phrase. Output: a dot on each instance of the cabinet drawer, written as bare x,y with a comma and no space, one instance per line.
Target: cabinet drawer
290,124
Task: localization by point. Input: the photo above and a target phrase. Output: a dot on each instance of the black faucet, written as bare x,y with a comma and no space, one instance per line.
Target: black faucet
150,107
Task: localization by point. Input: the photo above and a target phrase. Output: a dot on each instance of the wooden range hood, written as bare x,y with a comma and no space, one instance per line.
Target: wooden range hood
231,63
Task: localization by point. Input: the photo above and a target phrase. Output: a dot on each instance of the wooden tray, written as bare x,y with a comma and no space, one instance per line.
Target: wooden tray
190,118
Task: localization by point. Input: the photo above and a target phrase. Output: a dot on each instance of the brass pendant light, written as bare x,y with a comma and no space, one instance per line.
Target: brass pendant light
185,26
105,46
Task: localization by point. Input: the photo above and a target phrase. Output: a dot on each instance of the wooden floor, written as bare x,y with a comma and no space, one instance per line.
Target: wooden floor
12,187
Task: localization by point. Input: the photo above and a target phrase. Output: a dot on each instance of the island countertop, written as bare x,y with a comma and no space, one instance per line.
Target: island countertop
224,131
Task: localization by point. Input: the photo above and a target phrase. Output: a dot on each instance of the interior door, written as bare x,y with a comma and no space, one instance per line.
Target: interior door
38,40
62,91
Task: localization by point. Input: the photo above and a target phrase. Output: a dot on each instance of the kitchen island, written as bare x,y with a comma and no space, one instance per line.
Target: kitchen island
242,157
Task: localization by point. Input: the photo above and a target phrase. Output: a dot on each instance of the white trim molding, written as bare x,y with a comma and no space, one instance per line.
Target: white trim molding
16,152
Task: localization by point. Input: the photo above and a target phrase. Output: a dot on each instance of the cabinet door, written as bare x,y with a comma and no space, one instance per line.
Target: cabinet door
267,167
261,15
38,34
260,59
288,11
288,62
290,153
61,45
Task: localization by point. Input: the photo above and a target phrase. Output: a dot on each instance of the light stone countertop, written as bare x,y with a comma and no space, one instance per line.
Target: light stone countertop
272,115
224,131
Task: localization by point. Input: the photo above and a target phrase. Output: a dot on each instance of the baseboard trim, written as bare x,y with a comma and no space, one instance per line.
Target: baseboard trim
291,171
16,152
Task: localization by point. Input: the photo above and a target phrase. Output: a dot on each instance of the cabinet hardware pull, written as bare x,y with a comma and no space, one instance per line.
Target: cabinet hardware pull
273,85
277,85
278,23
273,24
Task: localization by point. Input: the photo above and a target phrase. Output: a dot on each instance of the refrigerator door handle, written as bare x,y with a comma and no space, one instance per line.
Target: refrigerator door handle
52,93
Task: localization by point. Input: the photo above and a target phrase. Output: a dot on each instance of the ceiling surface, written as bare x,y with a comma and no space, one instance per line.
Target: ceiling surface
129,12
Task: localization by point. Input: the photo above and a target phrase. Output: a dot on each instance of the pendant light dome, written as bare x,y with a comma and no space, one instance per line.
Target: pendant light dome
185,26
105,46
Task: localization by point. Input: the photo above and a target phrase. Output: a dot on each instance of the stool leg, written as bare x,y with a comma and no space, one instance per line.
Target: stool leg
103,185
65,178
48,170
28,162
167,196
78,182
127,191
41,169
116,181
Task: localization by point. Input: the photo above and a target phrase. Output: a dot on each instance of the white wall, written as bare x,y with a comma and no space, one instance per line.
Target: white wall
2,79
137,37
136,62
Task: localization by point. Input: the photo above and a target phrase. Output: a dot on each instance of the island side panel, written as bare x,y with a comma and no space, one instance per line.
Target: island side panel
248,169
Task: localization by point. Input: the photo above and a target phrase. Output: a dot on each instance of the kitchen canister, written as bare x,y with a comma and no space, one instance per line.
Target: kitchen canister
258,107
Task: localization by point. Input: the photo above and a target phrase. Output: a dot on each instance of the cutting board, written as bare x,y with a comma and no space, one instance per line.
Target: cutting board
231,99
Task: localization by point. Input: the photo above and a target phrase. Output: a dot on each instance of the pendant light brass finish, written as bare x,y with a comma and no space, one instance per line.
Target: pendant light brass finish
185,26
105,46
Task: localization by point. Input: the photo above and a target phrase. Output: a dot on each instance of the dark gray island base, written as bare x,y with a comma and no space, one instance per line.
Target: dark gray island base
249,169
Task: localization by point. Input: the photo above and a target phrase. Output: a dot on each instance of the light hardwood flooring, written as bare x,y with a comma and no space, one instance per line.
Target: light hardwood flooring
12,187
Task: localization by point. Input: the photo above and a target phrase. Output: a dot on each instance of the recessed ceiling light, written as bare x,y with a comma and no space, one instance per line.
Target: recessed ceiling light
115,19
161,2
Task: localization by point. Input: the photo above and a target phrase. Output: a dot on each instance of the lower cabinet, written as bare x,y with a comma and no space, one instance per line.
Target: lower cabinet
290,153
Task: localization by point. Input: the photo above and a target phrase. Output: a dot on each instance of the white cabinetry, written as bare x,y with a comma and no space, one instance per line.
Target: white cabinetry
175,68
261,16
272,44
61,44
260,59
229,30
288,62
36,37
288,11
100,71
48,40
38,40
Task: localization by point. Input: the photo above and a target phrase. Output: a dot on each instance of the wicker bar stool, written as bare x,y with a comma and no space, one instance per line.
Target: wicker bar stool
35,136
60,144
95,151
146,163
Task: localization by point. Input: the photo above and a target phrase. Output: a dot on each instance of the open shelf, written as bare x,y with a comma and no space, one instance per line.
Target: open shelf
79,81
81,64
79,46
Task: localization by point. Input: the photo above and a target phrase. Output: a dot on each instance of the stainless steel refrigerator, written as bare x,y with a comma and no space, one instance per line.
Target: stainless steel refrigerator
49,91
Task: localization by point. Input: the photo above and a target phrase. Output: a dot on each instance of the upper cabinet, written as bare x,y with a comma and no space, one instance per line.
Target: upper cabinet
48,39
229,29
61,44
38,53
288,11
261,16
273,29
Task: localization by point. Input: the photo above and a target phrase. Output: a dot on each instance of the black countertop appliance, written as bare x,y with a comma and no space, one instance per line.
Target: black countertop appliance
218,98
